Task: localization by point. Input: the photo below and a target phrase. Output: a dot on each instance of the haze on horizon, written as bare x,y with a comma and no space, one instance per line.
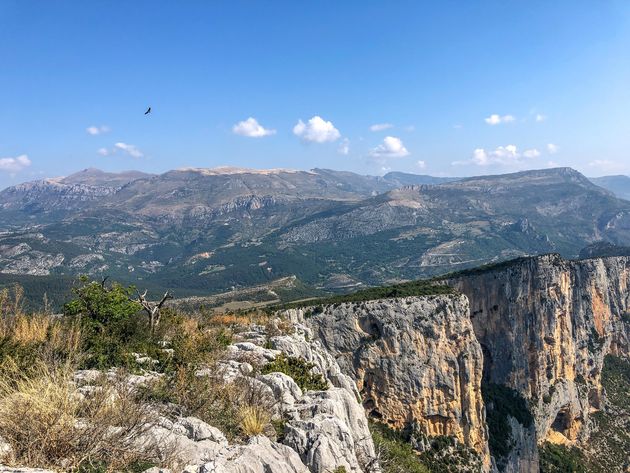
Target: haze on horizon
448,89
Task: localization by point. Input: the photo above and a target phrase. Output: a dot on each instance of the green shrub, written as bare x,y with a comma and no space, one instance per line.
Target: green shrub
549,396
113,327
109,325
397,454
595,342
298,369
580,380
560,459
279,426
446,455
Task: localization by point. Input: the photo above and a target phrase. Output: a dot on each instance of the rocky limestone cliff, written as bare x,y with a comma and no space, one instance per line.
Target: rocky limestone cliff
416,362
545,325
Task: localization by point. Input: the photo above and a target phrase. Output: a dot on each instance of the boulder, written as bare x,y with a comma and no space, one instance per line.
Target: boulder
198,430
260,455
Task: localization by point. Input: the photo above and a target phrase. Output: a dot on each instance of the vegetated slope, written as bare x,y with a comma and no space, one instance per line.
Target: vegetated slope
400,179
425,230
602,249
209,230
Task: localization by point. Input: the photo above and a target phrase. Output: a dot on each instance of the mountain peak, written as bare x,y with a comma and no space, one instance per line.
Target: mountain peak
229,170
98,177
561,175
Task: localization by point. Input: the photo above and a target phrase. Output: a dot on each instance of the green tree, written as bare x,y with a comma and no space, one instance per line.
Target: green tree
111,327
99,305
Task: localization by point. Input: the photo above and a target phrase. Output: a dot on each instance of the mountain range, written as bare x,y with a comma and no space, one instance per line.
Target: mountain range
204,231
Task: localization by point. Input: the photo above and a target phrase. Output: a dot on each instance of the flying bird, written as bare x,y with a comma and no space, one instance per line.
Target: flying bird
148,111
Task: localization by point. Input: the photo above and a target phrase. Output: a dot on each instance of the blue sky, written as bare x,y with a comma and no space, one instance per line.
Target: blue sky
467,87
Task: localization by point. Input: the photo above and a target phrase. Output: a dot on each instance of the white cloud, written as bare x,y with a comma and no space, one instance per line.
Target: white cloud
391,147
14,164
316,130
131,150
97,130
421,164
540,118
502,155
495,119
252,129
552,149
381,126
344,147
531,153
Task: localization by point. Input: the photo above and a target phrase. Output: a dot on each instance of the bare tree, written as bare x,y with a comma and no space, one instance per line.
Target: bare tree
152,308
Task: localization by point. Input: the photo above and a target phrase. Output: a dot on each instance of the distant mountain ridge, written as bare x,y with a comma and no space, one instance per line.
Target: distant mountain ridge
207,231
618,185
96,177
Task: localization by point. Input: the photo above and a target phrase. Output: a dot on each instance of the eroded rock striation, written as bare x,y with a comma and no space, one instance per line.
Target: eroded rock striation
415,360
545,325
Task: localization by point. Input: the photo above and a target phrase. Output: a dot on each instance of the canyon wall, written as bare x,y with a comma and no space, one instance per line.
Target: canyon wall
511,361
416,362
545,325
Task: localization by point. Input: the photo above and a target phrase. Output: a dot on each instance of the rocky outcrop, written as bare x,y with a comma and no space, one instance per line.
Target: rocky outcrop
259,455
329,428
324,431
196,447
545,325
319,428
415,360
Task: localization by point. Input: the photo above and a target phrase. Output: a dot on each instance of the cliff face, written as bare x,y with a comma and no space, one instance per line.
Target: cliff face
533,340
545,326
415,360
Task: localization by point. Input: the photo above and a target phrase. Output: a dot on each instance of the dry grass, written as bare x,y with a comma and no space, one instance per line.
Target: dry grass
243,320
12,300
230,319
50,424
219,403
254,420
205,397
30,329
37,337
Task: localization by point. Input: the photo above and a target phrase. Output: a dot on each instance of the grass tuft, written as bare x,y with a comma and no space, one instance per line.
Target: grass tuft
254,420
